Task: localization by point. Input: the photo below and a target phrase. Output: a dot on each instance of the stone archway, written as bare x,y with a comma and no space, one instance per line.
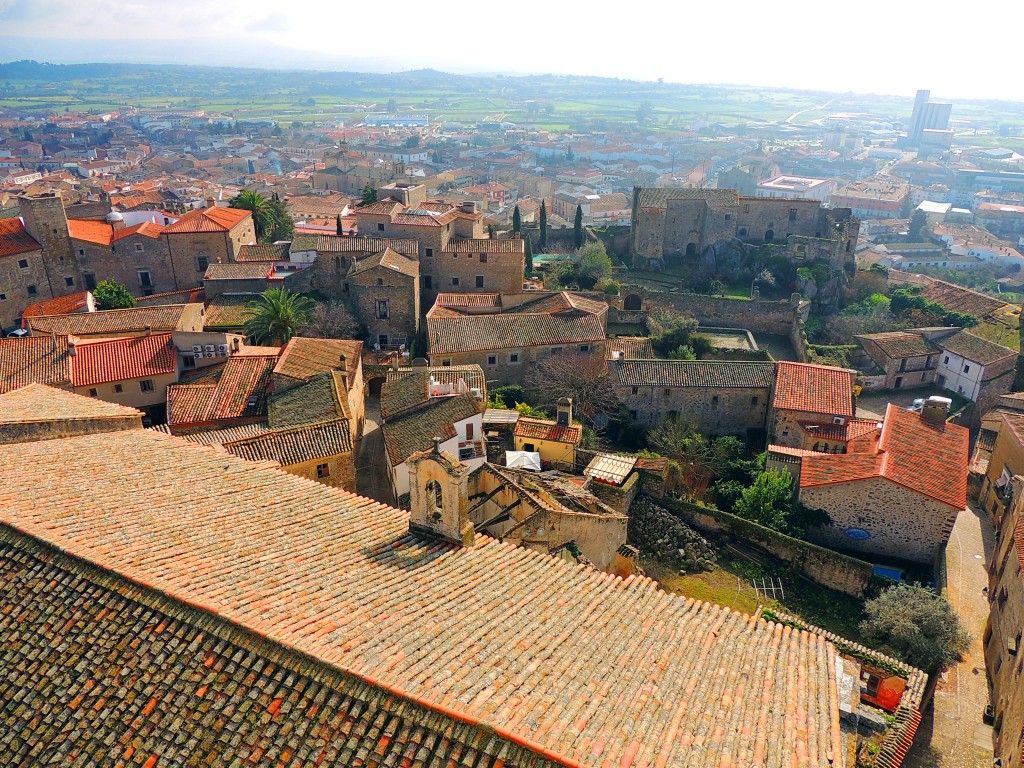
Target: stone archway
691,249
632,303
769,235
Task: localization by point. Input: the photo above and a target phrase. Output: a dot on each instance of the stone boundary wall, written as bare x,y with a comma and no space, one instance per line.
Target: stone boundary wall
823,566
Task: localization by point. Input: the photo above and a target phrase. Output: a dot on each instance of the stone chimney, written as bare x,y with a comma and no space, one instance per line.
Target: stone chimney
469,206
936,409
342,364
439,497
563,415
211,203
72,346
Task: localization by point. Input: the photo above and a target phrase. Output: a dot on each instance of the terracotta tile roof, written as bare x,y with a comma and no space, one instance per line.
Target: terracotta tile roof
217,437
415,430
692,373
900,344
543,429
485,245
482,332
62,305
975,348
852,430
468,300
14,238
322,398
656,197
228,310
240,393
168,685
159,318
391,260
1018,541
137,357
928,458
263,252
302,358
188,296
250,270
953,298
674,681
403,393
99,232
215,219
382,208
335,244
631,348
561,303
813,389
34,360
296,445
38,402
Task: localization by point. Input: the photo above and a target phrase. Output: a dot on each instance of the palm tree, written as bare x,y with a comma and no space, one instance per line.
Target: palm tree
277,315
262,216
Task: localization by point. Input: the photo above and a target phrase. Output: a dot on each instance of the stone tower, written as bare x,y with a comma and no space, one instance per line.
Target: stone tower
46,221
439,496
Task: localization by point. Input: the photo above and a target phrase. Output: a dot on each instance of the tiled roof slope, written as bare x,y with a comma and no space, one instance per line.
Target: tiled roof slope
631,348
692,373
335,244
217,437
953,298
813,389
302,358
120,359
263,252
389,259
60,305
38,402
249,270
295,445
34,359
228,310
15,239
467,333
976,348
159,318
898,344
322,398
544,429
401,393
924,457
243,377
164,685
656,197
188,296
415,430
591,667
215,219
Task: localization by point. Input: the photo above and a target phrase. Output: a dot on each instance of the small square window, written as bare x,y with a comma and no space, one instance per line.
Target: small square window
322,471
118,388
23,263
69,281
492,359
945,360
753,401
636,390
446,362
81,251
514,357
667,392
455,281
483,258
714,401
202,262
146,385
967,369
728,217
93,392
188,362
380,281
792,214
430,251
479,281
32,290
584,347
3,297
138,247
380,226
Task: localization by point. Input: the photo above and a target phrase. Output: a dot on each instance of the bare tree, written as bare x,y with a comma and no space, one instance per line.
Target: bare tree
581,376
332,320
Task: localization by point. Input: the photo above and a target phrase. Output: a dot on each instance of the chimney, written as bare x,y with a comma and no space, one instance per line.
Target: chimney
564,412
72,342
234,344
211,203
342,364
936,409
469,206
395,362
149,329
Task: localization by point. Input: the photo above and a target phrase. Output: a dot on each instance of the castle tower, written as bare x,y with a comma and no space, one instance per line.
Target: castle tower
47,222
439,496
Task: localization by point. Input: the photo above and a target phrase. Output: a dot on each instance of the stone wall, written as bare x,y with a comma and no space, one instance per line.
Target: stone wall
341,471
475,272
822,566
717,411
187,248
759,316
658,533
619,498
400,291
498,364
15,281
900,522
122,261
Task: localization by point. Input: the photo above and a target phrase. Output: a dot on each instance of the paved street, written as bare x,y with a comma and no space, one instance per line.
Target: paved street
371,467
952,734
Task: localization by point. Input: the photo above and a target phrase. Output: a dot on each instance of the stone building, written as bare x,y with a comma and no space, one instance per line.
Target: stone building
808,398
507,335
721,398
302,359
320,451
1004,654
384,292
46,221
203,237
23,280
136,256
999,456
899,499
674,227
252,277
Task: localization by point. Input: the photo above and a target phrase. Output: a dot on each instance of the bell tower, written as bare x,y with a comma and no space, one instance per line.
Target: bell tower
47,222
439,496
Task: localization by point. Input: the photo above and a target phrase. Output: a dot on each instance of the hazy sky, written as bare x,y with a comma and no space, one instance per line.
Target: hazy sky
869,46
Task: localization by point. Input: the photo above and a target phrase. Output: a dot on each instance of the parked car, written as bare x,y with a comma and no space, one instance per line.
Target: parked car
17,333
917,405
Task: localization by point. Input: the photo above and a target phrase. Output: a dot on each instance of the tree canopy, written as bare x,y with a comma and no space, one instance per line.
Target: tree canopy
277,315
369,196
270,217
110,294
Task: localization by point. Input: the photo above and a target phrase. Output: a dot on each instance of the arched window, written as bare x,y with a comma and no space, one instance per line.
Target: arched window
435,500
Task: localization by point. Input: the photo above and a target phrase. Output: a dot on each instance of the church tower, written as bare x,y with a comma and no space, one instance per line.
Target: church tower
47,222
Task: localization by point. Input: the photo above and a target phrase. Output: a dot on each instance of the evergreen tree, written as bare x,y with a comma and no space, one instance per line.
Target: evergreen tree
529,255
577,227
369,195
112,295
517,220
543,244
337,223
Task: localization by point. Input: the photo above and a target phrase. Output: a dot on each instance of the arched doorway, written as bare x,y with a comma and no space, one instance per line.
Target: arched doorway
691,249
769,235
632,303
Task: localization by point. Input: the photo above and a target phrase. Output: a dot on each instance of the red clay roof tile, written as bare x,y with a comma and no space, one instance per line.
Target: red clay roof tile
814,389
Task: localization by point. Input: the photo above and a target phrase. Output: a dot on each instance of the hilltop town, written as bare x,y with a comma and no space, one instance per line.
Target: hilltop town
378,437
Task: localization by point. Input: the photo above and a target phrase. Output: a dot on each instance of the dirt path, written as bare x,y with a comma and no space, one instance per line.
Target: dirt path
371,467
